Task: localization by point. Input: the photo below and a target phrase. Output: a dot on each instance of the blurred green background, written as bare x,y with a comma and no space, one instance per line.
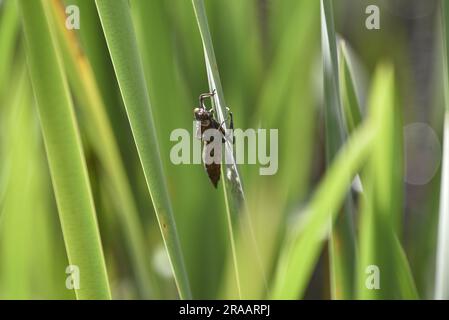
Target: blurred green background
270,63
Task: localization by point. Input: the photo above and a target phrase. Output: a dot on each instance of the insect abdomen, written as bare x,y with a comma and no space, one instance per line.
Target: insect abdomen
212,161
213,171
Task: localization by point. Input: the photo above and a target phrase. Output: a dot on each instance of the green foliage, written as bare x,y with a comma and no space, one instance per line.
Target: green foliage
101,134
306,237
342,240
382,199
64,152
92,147
120,36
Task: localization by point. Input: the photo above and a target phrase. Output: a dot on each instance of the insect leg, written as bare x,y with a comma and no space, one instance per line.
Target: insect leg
231,126
204,96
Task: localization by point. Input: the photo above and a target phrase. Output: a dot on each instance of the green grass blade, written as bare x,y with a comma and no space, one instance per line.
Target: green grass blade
120,36
342,240
396,279
15,226
232,183
382,199
233,186
82,79
350,102
442,263
9,27
94,46
388,153
157,38
371,222
65,154
406,282
304,241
